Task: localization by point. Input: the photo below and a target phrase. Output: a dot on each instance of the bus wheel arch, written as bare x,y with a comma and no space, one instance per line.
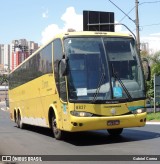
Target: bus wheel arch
51,113
15,115
58,134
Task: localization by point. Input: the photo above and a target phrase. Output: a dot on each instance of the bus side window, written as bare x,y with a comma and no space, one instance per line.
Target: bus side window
57,56
59,79
62,82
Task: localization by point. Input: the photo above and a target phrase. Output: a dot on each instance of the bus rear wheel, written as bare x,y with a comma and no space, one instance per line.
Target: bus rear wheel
115,132
19,121
58,134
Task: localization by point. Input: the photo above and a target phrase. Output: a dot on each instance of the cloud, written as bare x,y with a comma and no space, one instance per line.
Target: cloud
49,32
118,28
45,14
156,35
71,20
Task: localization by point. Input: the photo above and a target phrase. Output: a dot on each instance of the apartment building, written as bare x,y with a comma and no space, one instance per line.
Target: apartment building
1,58
1,53
11,55
32,47
20,50
6,58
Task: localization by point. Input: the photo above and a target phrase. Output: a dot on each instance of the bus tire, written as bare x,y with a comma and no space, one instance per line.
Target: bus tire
115,132
19,121
58,134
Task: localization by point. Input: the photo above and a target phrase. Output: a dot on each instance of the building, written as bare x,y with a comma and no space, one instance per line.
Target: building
18,56
20,50
11,55
1,58
144,47
2,54
6,58
32,47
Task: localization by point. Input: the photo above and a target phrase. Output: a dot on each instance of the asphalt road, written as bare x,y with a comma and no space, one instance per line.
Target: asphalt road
40,141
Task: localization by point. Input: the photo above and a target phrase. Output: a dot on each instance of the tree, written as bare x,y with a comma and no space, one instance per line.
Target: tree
3,79
154,60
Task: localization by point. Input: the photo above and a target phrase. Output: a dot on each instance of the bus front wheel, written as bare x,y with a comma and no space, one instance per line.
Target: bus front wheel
115,132
58,134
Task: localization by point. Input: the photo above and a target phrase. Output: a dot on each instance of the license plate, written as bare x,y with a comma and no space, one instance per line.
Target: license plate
113,122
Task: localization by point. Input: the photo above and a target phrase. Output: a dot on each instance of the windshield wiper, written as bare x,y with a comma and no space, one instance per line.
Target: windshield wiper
120,81
99,84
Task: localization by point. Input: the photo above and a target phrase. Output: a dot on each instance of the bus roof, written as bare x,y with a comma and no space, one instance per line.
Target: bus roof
92,33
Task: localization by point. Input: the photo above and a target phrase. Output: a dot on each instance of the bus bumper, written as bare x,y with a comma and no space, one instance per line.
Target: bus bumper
112,122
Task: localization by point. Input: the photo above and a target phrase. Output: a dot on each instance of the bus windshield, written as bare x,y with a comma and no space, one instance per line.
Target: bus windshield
103,68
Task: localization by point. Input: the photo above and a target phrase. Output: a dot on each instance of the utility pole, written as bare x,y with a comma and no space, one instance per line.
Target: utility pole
137,26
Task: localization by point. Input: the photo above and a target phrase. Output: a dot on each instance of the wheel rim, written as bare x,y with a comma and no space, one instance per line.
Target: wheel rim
55,130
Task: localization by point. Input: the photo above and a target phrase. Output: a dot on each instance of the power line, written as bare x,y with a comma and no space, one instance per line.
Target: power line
122,11
149,25
149,2
138,5
156,24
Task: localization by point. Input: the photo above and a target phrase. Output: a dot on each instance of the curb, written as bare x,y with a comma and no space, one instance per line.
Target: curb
152,123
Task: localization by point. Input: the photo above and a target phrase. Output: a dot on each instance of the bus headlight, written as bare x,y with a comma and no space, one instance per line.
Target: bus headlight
138,111
81,114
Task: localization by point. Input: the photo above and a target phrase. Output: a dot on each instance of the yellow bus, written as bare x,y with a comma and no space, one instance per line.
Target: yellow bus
80,81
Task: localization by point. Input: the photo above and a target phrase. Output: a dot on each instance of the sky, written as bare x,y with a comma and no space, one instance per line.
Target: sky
40,20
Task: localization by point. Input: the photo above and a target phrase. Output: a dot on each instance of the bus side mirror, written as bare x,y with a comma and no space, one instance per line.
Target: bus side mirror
63,67
146,69
148,75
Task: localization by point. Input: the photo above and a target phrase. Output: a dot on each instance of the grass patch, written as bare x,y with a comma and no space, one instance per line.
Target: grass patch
153,116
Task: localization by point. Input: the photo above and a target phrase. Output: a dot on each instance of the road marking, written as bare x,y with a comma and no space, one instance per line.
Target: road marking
153,123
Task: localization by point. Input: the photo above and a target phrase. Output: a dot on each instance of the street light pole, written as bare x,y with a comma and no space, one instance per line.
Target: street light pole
137,26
